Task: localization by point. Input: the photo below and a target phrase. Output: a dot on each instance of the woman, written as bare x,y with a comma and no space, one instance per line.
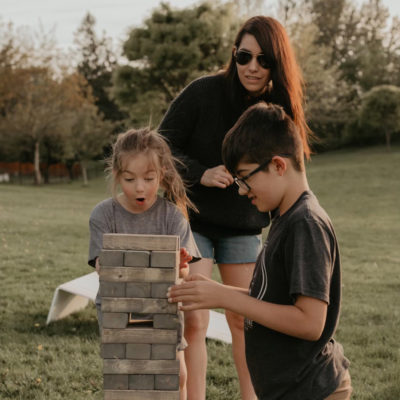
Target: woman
228,228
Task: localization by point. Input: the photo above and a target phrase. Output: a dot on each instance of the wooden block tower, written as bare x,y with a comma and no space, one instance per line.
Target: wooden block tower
139,349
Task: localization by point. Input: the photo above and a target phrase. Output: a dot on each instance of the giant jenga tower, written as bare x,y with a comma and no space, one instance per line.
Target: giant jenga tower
139,330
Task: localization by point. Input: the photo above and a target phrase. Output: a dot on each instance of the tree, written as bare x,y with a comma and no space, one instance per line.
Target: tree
96,63
328,98
87,136
171,49
36,112
380,111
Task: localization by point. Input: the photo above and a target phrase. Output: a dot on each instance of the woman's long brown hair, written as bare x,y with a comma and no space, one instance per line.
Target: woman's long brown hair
286,76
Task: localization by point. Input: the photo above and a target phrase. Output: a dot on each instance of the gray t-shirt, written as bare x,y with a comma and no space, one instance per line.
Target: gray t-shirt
300,257
162,218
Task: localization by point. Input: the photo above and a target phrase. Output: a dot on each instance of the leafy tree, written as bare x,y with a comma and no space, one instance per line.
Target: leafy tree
36,111
171,49
380,111
327,96
357,37
96,63
87,136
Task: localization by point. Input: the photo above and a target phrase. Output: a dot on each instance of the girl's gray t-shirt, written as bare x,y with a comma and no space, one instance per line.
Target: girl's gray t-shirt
162,218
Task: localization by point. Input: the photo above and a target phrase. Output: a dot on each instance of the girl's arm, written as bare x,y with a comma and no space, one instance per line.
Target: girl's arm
305,319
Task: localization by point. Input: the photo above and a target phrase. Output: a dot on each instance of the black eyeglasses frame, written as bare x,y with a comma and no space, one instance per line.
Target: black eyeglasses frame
241,182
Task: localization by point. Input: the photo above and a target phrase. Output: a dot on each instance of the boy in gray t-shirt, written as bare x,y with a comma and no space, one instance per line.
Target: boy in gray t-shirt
292,307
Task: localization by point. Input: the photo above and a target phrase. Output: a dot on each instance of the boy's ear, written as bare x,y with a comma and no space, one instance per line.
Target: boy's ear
280,164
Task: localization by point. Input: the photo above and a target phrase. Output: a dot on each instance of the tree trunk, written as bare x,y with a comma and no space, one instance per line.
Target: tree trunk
38,175
84,173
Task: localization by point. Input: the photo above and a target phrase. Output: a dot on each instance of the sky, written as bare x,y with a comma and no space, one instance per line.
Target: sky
114,17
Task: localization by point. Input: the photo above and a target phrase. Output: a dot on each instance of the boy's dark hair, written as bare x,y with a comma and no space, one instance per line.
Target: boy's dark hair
263,131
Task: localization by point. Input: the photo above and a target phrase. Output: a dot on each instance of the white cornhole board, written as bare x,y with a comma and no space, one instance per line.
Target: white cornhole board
75,295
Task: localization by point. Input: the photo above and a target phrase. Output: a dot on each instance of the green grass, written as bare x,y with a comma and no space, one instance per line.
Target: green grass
44,240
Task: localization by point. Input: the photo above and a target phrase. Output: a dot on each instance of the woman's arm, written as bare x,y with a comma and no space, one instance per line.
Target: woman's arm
305,319
178,126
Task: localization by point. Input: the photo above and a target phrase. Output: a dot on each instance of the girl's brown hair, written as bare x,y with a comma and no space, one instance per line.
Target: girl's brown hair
151,143
286,76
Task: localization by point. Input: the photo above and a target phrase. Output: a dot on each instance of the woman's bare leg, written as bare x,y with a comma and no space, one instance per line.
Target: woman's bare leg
239,275
196,324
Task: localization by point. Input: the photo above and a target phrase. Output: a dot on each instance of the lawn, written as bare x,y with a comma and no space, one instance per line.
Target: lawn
44,239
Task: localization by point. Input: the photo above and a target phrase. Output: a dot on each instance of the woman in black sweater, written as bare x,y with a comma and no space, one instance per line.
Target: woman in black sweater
228,227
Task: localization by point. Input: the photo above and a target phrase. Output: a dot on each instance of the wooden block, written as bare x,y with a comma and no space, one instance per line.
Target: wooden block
132,274
111,258
140,306
139,335
115,320
164,259
113,350
137,259
119,241
141,382
166,321
163,352
138,289
139,351
116,382
141,395
166,382
143,367
112,289
159,290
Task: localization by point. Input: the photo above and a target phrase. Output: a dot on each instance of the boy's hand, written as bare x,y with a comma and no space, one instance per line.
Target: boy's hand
197,292
185,258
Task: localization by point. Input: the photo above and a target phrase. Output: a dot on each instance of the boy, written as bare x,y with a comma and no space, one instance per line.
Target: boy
293,303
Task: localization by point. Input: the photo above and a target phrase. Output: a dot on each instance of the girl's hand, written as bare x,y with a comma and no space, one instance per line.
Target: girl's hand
197,292
185,258
217,177
97,266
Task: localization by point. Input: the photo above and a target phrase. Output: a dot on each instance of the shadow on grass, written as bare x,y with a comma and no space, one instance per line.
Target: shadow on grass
80,324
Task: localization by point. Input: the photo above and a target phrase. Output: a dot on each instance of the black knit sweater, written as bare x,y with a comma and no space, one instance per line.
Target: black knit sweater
195,126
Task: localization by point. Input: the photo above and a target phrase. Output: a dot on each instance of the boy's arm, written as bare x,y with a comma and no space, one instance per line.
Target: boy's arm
305,319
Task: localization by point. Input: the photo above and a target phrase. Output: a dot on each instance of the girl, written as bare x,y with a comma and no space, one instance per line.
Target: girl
227,228
140,165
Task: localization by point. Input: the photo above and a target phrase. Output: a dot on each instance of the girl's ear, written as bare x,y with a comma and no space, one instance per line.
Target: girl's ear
162,172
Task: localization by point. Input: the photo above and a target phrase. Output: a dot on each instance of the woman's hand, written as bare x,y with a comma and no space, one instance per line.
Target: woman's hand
197,292
217,177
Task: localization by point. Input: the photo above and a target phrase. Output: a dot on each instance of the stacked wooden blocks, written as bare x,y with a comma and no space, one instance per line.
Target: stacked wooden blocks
139,354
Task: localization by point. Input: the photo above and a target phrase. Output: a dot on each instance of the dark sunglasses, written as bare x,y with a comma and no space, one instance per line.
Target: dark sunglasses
244,57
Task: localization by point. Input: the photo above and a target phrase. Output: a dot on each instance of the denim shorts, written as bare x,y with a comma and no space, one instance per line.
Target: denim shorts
230,249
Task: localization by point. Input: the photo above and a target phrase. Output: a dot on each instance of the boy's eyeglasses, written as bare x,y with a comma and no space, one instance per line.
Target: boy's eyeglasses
241,182
244,57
